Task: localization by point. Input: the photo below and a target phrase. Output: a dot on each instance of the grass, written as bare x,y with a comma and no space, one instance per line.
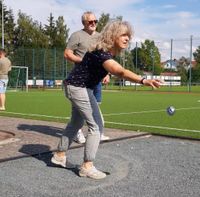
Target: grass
128,110
184,88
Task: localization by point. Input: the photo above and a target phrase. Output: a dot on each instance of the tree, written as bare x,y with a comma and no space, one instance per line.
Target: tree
61,33
50,30
196,74
182,68
148,57
29,33
56,31
128,60
137,58
10,31
104,18
9,27
197,55
196,70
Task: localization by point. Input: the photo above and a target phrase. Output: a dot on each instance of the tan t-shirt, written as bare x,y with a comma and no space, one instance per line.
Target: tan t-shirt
5,67
80,42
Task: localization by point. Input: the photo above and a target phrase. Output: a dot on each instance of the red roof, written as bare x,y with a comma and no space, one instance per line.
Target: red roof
168,74
194,63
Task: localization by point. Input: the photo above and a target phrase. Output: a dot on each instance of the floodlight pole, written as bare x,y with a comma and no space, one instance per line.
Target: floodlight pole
152,57
136,60
190,68
171,63
2,23
27,79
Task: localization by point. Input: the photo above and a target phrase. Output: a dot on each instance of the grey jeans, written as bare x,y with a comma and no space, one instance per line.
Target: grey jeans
84,109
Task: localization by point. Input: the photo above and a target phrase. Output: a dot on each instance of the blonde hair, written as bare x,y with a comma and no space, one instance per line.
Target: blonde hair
111,32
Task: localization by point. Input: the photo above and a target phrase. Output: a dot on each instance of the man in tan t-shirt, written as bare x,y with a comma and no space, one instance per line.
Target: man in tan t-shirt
78,44
5,67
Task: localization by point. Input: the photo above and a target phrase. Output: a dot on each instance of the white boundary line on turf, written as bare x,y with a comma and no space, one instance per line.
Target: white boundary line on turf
36,115
108,122
150,111
135,112
157,127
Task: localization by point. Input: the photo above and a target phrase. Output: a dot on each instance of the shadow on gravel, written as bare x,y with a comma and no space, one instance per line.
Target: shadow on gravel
48,130
44,154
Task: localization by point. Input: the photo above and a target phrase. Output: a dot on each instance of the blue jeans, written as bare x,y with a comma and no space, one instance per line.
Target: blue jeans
84,109
3,85
97,92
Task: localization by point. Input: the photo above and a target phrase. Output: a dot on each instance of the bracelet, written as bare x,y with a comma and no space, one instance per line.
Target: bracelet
142,80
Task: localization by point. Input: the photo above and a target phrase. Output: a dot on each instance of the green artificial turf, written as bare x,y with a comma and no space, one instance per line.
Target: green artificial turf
129,110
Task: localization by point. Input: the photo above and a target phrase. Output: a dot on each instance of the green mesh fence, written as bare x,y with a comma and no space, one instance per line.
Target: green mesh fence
47,65
18,78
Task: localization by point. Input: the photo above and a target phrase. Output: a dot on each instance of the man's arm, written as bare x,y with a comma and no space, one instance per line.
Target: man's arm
106,79
69,55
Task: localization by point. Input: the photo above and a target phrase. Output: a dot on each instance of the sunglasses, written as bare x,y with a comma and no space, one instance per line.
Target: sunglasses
92,22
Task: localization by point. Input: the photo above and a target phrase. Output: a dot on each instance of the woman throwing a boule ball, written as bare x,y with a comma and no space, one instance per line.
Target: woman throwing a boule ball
96,64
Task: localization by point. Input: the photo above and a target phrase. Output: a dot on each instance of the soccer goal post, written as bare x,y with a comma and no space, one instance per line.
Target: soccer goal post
18,78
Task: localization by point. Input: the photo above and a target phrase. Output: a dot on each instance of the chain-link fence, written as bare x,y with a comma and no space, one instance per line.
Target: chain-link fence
47,67
180,70
42,63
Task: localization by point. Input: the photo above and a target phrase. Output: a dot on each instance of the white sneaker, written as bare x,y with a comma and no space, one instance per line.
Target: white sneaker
62,161
2,109
91,173
104,137
59,160
80,138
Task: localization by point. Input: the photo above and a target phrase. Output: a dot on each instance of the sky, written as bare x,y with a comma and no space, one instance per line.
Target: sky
169,23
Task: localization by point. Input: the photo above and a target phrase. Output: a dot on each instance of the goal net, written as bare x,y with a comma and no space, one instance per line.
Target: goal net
18,78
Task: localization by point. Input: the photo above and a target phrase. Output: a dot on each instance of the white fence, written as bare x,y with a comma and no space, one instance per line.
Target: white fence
168,80
41,82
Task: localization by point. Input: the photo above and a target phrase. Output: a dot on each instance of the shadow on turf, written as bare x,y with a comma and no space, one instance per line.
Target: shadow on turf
43,153
48,130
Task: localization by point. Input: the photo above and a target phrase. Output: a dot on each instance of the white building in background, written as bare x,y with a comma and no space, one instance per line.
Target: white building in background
169,79
170,65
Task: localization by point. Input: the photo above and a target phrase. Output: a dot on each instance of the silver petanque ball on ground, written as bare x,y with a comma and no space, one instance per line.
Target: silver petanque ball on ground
171,110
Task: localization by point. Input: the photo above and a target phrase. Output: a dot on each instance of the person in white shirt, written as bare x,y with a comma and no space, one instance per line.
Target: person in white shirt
5,67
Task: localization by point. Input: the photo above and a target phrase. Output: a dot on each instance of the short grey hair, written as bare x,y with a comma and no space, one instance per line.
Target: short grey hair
84,16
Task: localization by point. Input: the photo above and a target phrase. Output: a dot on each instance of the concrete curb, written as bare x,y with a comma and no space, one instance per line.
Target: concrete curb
33,137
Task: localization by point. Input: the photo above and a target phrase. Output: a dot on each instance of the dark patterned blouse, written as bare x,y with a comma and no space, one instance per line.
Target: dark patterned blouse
90,71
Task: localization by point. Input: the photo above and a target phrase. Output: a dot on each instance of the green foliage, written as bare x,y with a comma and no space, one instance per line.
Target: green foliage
182,69
196,74
29,33
125,59
57,32
17,78
9,28
104,18
157,69
129,60
147,57
50,30
197,54
42,63
196,69
61,33
137,54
